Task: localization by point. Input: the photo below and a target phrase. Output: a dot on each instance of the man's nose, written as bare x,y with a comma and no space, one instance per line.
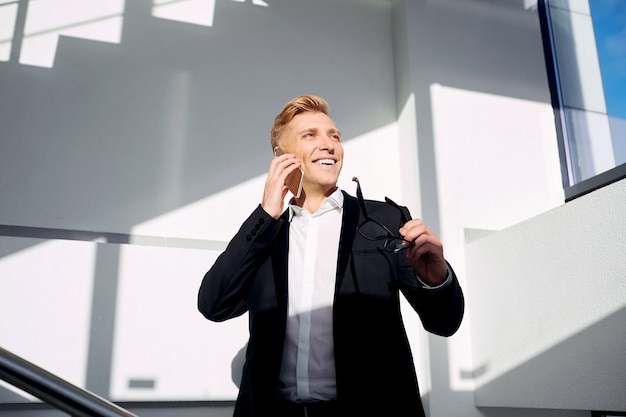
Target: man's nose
327,143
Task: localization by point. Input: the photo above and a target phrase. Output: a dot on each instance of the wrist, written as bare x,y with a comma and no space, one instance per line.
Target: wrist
438,284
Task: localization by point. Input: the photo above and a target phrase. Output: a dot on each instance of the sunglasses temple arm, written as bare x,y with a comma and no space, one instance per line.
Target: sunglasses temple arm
359,195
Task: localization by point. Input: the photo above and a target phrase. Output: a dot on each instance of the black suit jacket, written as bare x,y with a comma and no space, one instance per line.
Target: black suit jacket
374,366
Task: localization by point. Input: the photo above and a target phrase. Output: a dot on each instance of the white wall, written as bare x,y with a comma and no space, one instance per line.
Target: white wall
146,139
549,307
149,137
487,159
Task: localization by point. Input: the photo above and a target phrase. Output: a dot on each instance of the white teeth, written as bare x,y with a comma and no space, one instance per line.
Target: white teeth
326,162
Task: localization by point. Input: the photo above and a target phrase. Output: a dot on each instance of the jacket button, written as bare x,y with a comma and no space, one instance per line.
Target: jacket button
248,238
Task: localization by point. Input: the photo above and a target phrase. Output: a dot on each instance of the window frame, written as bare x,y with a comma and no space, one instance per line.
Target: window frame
572,190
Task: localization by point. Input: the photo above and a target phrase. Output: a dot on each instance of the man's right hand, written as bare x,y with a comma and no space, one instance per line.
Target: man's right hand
275,189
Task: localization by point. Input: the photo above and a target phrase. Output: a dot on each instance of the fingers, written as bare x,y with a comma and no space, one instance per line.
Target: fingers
426,256
281,166
425,247
414,229
275,188
424,240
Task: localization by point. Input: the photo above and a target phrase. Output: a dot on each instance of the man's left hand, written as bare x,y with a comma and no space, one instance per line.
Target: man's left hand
426,255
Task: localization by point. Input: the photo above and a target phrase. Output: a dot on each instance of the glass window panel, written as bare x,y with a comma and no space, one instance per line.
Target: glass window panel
585,45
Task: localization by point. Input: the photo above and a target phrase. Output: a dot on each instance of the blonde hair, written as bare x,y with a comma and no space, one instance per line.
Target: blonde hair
300,104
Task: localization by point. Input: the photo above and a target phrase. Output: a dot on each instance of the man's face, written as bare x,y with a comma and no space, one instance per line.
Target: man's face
316,142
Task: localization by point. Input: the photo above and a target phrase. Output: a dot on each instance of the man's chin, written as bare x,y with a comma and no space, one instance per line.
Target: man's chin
323,188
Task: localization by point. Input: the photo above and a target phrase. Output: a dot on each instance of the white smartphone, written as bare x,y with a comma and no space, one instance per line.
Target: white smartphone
295,179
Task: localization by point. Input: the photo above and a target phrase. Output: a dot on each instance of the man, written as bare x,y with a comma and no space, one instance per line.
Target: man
320,282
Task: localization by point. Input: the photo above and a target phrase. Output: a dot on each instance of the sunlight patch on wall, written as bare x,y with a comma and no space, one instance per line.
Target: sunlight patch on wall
102,21
497,165
255,2
500,155
8,14
164,349
165,345
372,157
197,12
47,20
45,303
204,219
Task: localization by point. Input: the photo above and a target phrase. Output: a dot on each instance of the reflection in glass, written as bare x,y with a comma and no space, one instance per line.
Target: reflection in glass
585,46
609,24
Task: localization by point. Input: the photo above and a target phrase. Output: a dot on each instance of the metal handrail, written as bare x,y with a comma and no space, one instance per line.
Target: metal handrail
54,390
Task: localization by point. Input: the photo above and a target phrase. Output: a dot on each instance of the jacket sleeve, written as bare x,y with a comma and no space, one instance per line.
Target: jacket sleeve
224,289
440,309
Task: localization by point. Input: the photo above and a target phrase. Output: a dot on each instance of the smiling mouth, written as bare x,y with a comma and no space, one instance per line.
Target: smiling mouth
325,162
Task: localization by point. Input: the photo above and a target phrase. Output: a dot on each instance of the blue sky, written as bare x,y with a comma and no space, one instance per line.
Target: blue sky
609,22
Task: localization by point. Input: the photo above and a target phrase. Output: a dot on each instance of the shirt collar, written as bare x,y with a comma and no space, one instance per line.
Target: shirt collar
332,202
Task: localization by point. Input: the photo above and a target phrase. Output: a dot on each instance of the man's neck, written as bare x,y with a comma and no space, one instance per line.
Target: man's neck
311,201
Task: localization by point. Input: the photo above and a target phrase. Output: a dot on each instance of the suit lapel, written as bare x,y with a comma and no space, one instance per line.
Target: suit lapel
349,223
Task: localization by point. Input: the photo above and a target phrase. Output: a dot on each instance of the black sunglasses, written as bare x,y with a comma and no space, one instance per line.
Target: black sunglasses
372,229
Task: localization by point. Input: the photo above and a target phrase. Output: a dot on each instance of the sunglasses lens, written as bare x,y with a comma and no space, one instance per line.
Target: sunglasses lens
395,245
373,231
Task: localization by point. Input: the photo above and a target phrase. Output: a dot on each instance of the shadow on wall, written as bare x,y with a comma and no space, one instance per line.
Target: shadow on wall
115,134
598,350
540,380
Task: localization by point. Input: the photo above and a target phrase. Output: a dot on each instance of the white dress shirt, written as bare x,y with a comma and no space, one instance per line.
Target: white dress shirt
308,367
